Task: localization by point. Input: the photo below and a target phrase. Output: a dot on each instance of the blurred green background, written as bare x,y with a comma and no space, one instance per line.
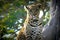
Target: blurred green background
12,16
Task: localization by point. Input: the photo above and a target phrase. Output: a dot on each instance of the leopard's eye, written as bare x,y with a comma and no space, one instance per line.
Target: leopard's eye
30,10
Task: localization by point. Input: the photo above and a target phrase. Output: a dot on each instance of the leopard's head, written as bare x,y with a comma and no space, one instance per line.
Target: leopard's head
33,11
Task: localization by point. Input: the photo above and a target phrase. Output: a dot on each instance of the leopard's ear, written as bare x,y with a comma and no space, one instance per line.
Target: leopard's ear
39,5
26,8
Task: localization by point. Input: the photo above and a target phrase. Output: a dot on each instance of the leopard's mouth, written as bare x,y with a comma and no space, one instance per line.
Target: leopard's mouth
35,20
35,23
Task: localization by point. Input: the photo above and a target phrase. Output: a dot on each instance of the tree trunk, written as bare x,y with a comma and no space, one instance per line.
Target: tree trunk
51,31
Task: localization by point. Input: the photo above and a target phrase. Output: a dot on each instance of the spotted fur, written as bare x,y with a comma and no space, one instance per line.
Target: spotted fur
32,25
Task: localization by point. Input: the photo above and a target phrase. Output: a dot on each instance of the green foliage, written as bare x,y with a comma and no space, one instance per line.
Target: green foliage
7,23
11,31
46,18
8,38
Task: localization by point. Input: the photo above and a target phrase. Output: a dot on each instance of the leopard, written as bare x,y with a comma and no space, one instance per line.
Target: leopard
32,26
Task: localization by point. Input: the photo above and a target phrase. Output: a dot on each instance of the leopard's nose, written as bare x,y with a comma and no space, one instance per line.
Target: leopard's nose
34,17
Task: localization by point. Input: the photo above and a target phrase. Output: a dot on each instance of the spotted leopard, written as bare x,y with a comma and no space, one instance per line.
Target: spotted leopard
32,25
